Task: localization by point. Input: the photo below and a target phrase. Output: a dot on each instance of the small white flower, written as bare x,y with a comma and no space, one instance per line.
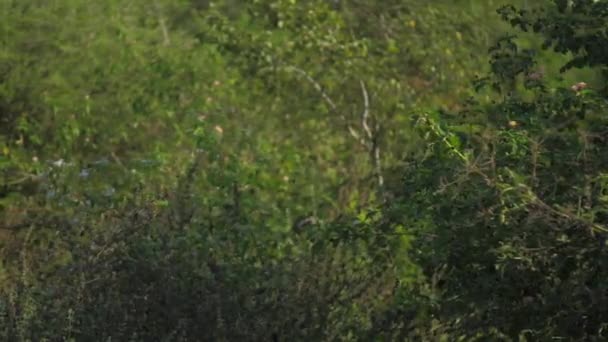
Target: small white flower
59,163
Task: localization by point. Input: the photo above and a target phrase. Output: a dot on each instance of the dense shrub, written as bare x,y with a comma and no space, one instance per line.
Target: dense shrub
508,198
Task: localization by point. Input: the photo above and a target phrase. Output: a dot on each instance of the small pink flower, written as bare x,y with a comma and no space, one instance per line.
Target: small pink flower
579,86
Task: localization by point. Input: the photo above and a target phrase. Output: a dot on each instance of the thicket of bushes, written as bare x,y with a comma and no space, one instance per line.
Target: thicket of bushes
278,170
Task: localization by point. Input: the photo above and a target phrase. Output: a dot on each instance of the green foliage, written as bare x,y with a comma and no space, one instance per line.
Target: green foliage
252,170
507,202
576,27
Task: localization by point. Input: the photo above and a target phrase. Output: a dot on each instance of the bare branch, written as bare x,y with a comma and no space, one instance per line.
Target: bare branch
365,115
356,135
317,86
563,213
372,139
332,105
378,165
369,140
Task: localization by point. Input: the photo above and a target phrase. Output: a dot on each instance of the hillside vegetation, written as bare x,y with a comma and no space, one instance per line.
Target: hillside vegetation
323,170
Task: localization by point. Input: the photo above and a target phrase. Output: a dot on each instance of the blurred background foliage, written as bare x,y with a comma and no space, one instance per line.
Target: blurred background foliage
302,170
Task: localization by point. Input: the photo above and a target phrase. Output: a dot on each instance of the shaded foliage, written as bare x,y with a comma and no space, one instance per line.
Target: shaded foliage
508,204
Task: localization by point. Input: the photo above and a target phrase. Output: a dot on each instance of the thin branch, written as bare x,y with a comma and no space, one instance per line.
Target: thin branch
317,86
163,26
378,165
535,151
17,226
594,227
166,39
27,177
117,160
332,105
557,211
355,135
372,137
369,141
365,115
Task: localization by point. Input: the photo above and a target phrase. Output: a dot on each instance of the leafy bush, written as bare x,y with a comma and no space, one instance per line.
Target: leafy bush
508,200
